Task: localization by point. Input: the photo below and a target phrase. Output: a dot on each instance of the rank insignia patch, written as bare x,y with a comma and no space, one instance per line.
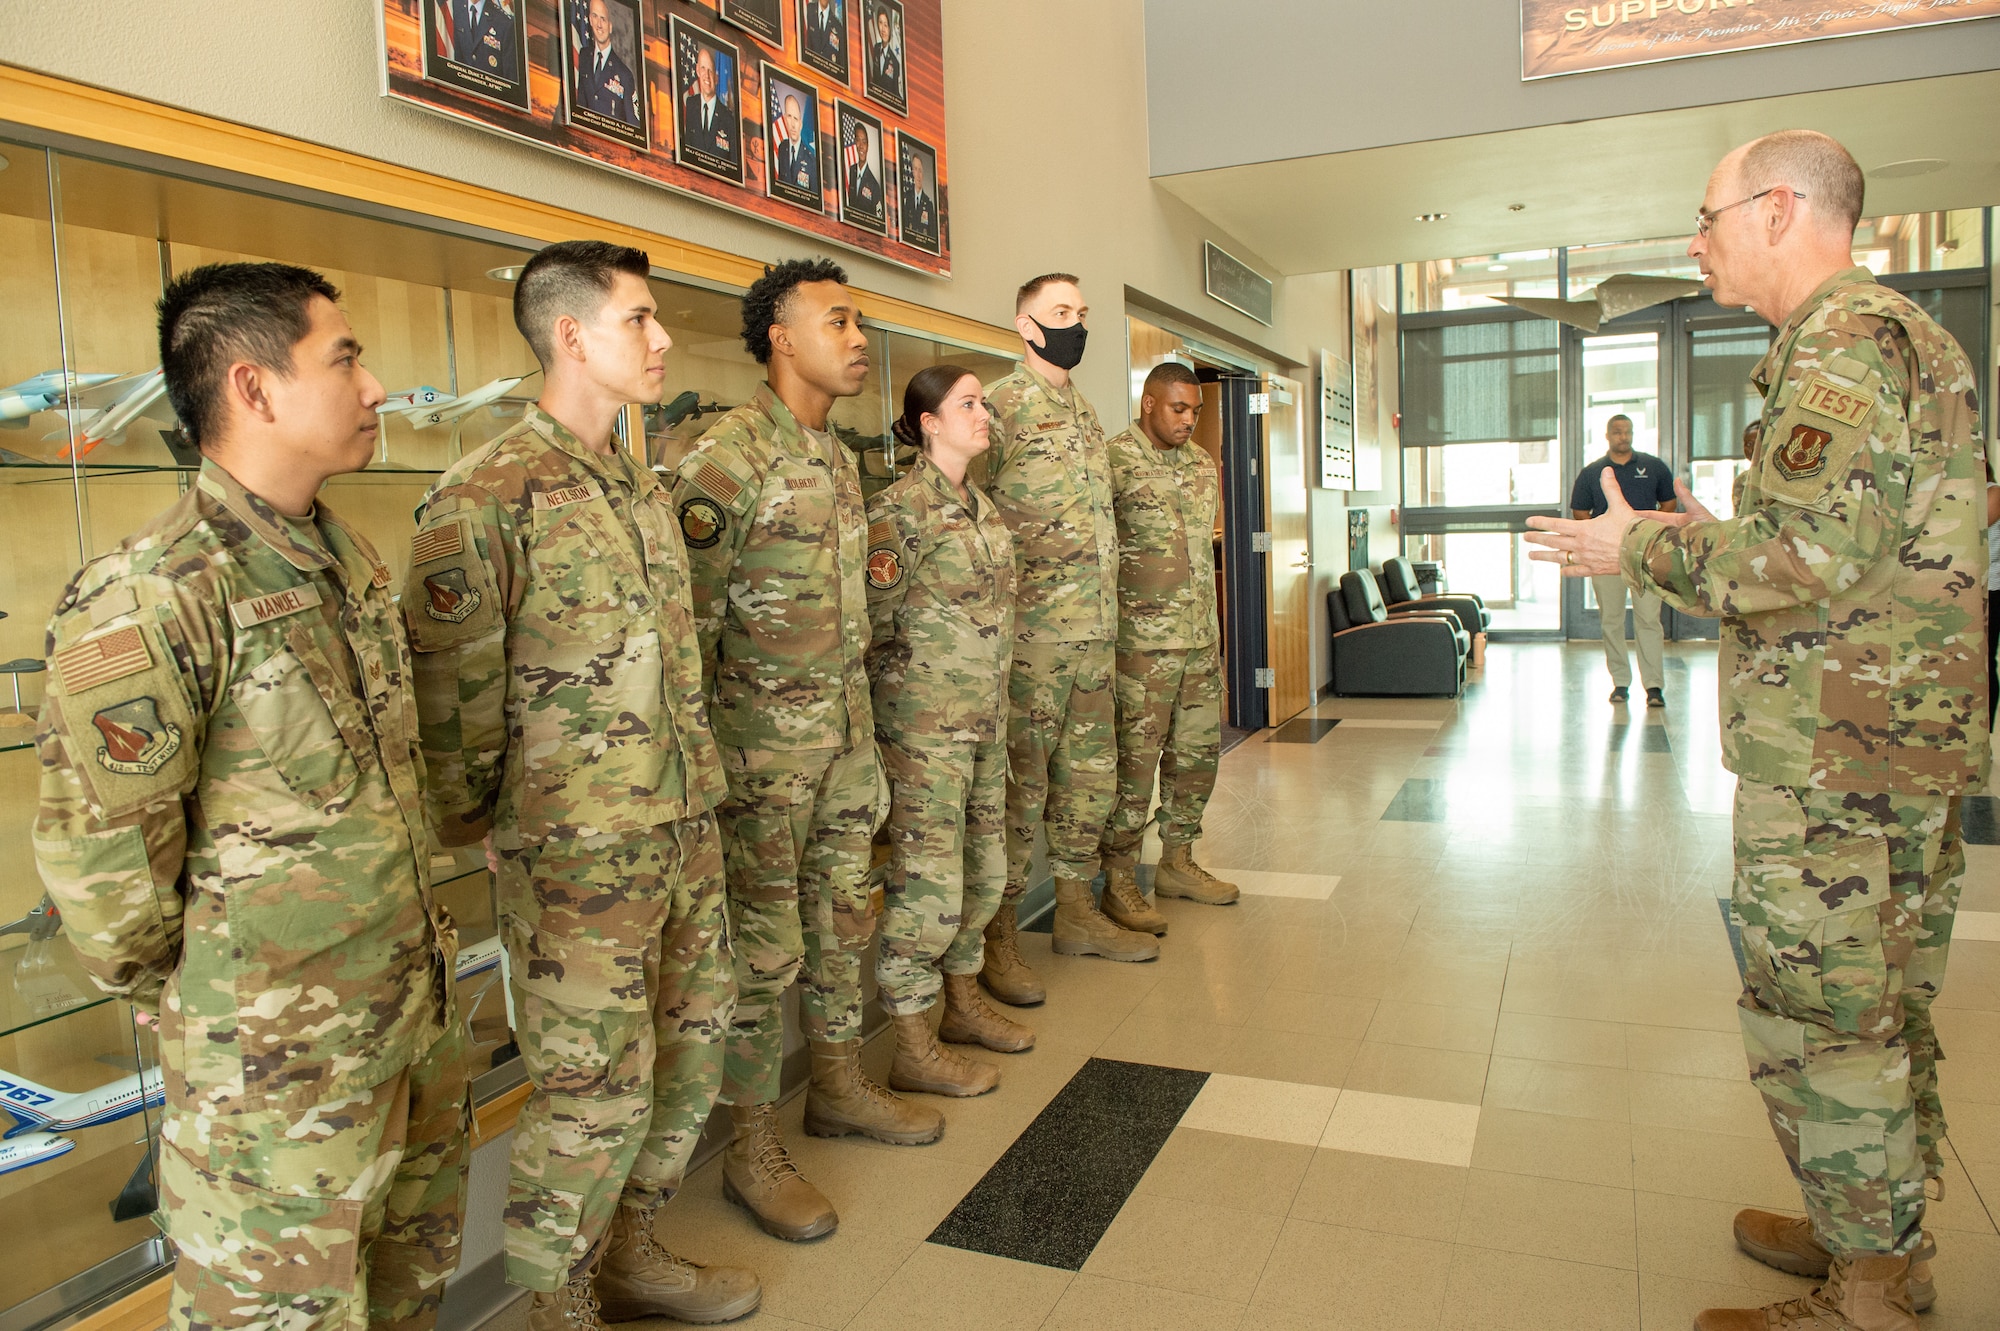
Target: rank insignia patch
885,568
448,597
702,522
136,741
1804,454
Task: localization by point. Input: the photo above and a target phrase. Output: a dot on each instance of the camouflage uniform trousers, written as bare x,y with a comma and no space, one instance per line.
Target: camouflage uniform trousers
947,868
1845,900
341,1214
1169,708
796,830
622,985
1062,756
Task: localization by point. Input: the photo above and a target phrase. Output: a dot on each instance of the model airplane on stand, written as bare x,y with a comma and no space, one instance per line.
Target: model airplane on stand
118,405
45,392
36,1108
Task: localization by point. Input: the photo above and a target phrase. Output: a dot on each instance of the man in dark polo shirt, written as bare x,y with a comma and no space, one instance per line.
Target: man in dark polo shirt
1646,482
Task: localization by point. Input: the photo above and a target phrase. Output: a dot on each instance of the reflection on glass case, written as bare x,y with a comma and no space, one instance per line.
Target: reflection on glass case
90,451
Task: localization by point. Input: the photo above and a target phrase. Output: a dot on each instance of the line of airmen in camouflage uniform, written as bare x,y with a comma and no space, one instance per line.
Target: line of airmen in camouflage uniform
675,713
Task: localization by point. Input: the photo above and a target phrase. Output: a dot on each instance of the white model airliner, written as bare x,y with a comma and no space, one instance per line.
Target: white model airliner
45,392
36,1108
32,1149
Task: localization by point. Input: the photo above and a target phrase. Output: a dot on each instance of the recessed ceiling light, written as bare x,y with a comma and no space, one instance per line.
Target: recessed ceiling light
1432,217
3,163
511,273
1496,267
1909,166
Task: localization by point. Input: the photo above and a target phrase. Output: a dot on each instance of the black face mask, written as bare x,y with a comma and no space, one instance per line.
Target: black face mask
1061,347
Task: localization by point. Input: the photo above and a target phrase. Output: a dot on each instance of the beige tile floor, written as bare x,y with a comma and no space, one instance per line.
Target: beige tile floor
1479,1074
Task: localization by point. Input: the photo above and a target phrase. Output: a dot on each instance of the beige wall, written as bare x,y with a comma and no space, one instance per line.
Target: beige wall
1045,102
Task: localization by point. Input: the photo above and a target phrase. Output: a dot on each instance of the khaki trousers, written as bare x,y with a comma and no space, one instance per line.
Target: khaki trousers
1645,622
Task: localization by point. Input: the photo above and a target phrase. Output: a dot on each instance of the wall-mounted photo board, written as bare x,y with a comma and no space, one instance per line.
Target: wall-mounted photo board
710,99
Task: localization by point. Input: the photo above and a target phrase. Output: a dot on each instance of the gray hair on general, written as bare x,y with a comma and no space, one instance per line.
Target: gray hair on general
1813,165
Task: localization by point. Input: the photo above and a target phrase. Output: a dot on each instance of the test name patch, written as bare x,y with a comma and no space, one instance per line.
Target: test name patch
1821,396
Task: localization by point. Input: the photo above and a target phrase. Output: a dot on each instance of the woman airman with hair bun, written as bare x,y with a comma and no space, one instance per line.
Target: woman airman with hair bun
941,605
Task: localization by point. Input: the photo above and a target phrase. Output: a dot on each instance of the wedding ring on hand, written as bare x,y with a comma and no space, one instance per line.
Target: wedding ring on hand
1569,556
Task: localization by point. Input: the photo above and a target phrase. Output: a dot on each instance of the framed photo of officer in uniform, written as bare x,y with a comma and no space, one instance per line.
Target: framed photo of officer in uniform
862,200
882,76
791,140
477,46
918,214
604,67
763,19
708,128
823,37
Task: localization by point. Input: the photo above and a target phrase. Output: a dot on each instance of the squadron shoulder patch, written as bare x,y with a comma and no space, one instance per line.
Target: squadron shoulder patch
702,522
1823,397
136,742
1804,454
449,597
885,568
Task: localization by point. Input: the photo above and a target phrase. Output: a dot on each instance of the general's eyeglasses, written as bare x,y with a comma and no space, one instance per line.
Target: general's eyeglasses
1705,218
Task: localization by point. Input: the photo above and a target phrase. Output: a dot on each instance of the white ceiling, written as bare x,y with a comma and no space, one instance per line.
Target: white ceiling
1593,181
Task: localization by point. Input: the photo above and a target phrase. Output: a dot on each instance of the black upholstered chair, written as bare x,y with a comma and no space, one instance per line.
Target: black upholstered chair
1376,653
1404,595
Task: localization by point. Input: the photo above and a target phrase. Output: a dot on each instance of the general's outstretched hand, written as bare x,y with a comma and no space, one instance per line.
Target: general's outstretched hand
1586,547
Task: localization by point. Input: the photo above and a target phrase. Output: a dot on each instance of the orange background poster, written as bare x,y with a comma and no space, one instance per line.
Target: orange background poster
415,72
1572,36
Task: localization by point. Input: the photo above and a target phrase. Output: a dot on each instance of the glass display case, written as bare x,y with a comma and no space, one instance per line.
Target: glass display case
90,450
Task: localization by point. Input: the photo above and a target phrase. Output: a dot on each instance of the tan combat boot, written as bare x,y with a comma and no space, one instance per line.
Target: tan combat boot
759,1176
574,1306
970,1019
1082,930
1787,1243
639,1278
1177,875
1869,1293
1005,975
922,1064
1126,906
842,1101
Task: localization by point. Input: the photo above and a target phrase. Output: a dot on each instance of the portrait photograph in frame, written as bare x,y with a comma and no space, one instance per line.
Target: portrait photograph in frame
884,77
791,139
762,19
477,48
919,203
863,202
604,70
708,122
823,43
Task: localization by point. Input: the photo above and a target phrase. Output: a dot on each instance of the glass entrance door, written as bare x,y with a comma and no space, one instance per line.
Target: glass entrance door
1621,376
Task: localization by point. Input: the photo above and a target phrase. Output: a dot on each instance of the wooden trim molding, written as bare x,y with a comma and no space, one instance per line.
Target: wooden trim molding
498,1114
144,1309
60,106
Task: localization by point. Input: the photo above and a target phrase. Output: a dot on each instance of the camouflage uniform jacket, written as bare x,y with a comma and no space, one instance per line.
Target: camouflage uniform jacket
1051,477
777,534
1852,582
1166,500
941,601
232,814
557,677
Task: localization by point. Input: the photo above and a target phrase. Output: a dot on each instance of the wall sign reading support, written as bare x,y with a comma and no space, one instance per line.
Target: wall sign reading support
1572,36
1235,283
710,104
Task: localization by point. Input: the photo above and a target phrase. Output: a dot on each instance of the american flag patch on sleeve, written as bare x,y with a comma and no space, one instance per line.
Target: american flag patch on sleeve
437,543
102,659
